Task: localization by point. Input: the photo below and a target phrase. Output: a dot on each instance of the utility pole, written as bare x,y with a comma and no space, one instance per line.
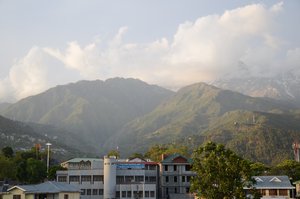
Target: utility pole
48,156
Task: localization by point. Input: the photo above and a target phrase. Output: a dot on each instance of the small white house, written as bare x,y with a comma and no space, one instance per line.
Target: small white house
46,190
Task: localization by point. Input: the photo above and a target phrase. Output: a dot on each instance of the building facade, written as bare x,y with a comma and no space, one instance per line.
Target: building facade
112,178
53,190
175,172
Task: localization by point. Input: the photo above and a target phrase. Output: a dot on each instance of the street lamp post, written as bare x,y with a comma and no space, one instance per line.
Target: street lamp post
48,156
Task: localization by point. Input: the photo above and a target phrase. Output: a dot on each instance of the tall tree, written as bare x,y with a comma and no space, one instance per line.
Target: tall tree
220,173
8,152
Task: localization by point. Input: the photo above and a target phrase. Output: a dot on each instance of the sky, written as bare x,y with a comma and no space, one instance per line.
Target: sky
171,43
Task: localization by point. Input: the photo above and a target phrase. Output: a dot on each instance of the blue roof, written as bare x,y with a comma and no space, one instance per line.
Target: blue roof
84,159
272,182
47,187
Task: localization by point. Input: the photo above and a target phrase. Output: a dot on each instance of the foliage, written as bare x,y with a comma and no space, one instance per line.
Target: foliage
220,173
52,171
36,171
8,152
154,153
290,168
136,155
7,169
259,168
114,152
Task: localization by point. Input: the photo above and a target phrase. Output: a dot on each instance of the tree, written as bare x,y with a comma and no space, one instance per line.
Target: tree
8,152
220,173
52,171
154,153
115,153
290,168
36,171
136,155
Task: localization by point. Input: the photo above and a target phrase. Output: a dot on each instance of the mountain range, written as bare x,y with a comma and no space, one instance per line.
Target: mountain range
97,116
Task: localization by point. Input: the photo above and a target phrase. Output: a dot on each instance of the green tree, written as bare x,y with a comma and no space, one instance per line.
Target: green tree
259,168
220,173
8,152
290,168
136,155
154,153
36,171
7,170
115,153
52,171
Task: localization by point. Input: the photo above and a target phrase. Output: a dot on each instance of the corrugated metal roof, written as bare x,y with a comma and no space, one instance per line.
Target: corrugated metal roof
48,187
276,182
83,159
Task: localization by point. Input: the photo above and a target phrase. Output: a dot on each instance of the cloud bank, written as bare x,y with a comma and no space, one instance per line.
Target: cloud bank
211,47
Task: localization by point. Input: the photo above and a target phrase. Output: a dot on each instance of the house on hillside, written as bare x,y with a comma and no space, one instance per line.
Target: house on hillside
278,187
46,190
175,172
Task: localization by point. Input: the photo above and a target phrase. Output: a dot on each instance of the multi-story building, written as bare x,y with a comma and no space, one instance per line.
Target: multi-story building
112,178
175,172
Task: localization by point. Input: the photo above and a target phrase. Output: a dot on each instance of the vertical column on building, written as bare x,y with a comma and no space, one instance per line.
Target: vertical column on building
110,171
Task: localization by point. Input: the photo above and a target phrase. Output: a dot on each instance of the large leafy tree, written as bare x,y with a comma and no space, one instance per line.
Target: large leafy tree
220,173
290,168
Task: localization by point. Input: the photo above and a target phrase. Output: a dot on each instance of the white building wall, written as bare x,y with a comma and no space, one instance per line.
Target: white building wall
110,173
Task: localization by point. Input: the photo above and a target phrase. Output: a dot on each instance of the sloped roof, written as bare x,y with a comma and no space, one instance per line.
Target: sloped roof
171,158
47,187
273,182
83,159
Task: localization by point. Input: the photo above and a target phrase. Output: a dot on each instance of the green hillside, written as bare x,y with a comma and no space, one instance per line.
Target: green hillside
21,136
202,112
91,111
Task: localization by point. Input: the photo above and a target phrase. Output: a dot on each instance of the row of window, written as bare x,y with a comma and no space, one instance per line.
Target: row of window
175,178
91,192
99,178
84,178
175,167
274,192
170,190
128,179
135,194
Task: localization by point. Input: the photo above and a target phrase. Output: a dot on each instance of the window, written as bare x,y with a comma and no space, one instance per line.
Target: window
118,194
183,178
120,179
129,179
152,167
98,178
152,179
100,191
147,194
283,192
16,196
66,196
86,178
123,194
174,167
88,192
128,194
82,192
187,167
74,178
62,179
273,192
166,167
152,194
188,179
139,178
187,190
167,179
175,190
140,194
175,178
95,191
262,192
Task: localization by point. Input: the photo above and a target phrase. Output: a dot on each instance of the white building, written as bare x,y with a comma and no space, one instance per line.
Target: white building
112,178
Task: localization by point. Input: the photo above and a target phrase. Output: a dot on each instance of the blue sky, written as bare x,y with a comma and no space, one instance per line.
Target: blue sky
170,43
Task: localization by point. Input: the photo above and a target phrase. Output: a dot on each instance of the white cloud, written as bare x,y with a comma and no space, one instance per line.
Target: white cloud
210,47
